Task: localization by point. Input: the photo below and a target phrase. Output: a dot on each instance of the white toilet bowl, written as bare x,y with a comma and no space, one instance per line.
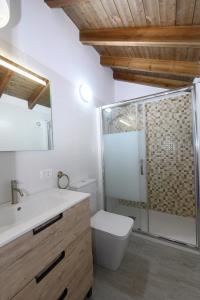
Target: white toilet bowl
110,235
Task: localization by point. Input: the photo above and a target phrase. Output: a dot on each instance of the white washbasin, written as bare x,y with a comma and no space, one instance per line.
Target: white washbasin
34,210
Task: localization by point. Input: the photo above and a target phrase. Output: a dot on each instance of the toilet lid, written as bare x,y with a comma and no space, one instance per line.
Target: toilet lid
114,224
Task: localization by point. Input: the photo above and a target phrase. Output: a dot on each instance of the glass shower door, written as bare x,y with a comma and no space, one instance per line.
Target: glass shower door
125,162
150,166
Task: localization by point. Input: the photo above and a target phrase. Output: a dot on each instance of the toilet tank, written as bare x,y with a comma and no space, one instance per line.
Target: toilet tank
88,185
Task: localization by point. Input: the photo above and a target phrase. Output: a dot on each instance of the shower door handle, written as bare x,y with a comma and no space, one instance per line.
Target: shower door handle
141,166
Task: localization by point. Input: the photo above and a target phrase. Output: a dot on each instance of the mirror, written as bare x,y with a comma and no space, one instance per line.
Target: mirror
25,109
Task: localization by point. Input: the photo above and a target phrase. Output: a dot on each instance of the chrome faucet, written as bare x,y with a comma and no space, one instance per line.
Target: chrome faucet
15,190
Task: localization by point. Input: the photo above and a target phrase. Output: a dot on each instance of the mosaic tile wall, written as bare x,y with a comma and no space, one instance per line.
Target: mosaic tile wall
137,204
170,157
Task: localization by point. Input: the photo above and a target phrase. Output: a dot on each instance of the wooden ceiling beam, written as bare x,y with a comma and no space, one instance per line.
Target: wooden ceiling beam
150,80
183,68
33,99
5,81
171,36
62,3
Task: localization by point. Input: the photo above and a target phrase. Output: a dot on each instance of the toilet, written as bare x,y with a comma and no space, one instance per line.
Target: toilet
110,232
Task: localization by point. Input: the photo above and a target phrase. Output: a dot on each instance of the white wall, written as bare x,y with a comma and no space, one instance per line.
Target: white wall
127,91
46,41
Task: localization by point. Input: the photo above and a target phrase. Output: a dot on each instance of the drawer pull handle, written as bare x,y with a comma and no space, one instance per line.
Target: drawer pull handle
50,267
63,295
47,224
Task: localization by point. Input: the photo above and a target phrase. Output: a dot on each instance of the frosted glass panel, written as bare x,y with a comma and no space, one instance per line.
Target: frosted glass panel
121,158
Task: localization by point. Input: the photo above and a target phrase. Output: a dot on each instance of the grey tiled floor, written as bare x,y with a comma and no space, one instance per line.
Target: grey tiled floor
150,271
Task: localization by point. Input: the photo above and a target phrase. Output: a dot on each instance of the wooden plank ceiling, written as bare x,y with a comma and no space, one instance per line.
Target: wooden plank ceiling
153,42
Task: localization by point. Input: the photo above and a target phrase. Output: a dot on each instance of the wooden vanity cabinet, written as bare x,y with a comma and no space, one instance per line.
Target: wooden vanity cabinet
53,261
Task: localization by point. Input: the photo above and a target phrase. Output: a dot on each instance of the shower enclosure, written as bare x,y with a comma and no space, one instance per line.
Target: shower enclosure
150,164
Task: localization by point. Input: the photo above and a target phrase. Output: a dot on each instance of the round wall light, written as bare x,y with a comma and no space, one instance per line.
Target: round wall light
85,93
4,13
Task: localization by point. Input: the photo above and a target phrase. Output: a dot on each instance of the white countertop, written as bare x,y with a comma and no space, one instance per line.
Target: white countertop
33,210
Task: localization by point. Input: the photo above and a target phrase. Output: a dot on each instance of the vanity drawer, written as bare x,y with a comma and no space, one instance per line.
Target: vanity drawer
25,257
73,273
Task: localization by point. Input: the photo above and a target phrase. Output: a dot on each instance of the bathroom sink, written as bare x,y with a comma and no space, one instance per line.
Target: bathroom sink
7,218
34,210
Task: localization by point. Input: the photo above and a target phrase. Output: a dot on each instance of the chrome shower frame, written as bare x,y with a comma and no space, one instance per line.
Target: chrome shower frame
195,121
